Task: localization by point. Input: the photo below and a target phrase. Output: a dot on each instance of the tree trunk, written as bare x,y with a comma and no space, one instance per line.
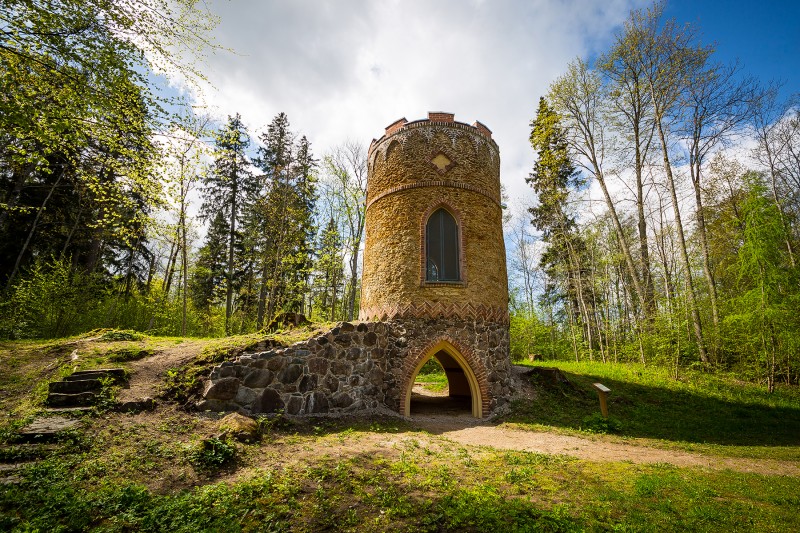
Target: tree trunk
231,239
32,231
695,312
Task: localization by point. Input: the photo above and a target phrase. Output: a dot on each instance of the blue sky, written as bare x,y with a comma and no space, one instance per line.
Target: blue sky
764,35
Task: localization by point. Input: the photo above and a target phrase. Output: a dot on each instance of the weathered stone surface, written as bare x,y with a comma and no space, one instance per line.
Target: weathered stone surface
75,385
270,402
258,378
317,403
331,383
293,405
240,427
375,376
44,429
342,400
135,406
370,339
224,388
290,374
318,365
276,363
341,368
308,383
245,396
57,399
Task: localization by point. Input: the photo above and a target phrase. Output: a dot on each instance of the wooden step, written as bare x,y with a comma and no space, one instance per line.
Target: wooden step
117,374
78,399
46,429
75,385
25,451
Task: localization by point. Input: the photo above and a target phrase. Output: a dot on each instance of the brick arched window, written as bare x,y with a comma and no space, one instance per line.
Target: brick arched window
442,254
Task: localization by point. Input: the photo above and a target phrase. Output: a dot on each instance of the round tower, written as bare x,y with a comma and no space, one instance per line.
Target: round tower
434,257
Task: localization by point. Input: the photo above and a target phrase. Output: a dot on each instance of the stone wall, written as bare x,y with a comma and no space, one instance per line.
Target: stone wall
358,368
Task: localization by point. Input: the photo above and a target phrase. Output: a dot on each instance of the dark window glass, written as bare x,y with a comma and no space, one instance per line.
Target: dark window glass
441,247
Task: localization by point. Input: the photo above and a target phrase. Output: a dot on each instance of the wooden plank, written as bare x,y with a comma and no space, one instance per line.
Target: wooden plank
601,388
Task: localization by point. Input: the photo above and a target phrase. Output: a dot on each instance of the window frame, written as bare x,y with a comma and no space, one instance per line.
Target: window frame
461,263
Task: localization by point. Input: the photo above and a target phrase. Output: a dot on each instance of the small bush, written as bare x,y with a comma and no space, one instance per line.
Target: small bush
121,335
596,423
131,353
432,366
107,395
180,384
212,454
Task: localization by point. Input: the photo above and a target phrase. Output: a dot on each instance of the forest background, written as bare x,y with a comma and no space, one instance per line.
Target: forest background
123,206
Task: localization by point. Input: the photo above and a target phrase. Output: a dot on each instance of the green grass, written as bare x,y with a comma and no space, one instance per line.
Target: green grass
699,411
154,472
420,485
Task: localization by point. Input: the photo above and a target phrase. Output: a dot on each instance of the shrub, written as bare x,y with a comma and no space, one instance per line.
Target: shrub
596,423
212,454
121,335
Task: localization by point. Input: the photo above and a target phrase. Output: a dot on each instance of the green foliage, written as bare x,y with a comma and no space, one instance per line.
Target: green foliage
180,384
700,410
49,301
432,366
212,454
131,353
597,423
121,335
529,336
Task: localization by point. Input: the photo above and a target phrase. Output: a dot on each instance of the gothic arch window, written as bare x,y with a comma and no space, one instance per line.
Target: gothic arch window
442,247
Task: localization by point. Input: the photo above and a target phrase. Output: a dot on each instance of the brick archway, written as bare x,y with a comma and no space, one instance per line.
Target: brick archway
473,368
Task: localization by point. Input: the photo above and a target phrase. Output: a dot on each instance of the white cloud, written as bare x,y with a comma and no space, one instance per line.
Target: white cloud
347,69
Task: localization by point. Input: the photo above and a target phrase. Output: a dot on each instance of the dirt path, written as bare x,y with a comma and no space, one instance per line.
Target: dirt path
147,375
468,431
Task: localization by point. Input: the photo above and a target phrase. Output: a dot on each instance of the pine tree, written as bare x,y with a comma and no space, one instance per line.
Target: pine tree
553,177
329,269
208,276
226,189
281,220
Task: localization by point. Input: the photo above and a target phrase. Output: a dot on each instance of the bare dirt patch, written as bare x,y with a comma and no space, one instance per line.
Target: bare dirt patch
146,376
472,432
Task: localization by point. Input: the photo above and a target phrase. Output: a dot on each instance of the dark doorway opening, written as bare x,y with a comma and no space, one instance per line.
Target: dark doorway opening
441,388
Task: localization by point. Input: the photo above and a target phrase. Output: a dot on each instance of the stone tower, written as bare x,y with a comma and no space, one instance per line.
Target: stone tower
434,257
434,286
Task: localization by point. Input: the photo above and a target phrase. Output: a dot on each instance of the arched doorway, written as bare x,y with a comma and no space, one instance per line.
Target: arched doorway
462,381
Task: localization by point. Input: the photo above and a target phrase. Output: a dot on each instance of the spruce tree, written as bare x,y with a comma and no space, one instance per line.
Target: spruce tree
554,176
226,189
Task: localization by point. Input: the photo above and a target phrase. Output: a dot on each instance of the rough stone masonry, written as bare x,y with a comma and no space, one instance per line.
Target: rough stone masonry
354,368
436,167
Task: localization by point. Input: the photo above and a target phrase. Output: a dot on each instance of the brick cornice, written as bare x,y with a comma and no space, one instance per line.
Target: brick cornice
427,309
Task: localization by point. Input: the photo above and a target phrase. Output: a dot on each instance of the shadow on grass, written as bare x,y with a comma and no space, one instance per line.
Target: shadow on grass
661,413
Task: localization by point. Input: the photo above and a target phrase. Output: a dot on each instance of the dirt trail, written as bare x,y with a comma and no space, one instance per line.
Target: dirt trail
468,431
147,375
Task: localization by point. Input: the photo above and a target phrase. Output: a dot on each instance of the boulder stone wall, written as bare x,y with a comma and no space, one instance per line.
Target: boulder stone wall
357,368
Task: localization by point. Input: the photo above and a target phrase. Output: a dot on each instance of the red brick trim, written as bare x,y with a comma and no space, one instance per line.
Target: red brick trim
395,126
477,367
428,309
462,258
444,170
441,116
